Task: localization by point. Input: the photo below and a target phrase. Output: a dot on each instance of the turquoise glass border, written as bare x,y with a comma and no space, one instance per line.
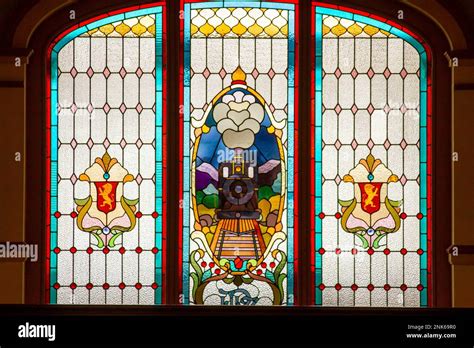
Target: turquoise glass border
158,12
187,127
319,12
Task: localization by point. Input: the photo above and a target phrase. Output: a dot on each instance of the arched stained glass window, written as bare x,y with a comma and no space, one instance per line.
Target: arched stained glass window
371,162
106,182
239,153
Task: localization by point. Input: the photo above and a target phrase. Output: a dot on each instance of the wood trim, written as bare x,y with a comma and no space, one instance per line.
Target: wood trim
304,274
464,87
462,260
12,84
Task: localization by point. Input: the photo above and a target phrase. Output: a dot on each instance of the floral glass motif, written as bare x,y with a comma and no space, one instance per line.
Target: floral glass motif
370,214
371,151
106,213
238,154
106,196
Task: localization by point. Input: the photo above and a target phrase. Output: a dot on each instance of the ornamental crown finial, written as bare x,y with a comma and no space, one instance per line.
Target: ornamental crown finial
239,75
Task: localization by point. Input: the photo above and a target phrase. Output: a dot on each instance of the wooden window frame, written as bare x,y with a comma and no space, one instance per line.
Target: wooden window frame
36,143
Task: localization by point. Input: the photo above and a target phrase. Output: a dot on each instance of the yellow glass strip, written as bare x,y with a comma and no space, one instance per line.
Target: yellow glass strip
370,30
122,29
355,29
255,29
326,30
107,29
144,26
138,29
242,28
239,29
206,29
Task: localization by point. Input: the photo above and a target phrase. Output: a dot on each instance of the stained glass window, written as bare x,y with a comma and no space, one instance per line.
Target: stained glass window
238,158
371,162
106,182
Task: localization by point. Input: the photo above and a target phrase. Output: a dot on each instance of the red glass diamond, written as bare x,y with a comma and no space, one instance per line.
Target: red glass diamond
386,251
57,215
338,215
419,216
122,286
271,73
321,215
338,251
403,251
56,286
222,73
370,251
89,250
403,73
154,286
73,286
138,214
354,287
420,287
370,287
73,214
155,250
420,251
154,215
386,287
73,250
138,250
106,286
106,72
403,216
138,286
57,250
122,250
106,251
354,251
321,251
403,287
89,286
338,286
370,109
322,286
